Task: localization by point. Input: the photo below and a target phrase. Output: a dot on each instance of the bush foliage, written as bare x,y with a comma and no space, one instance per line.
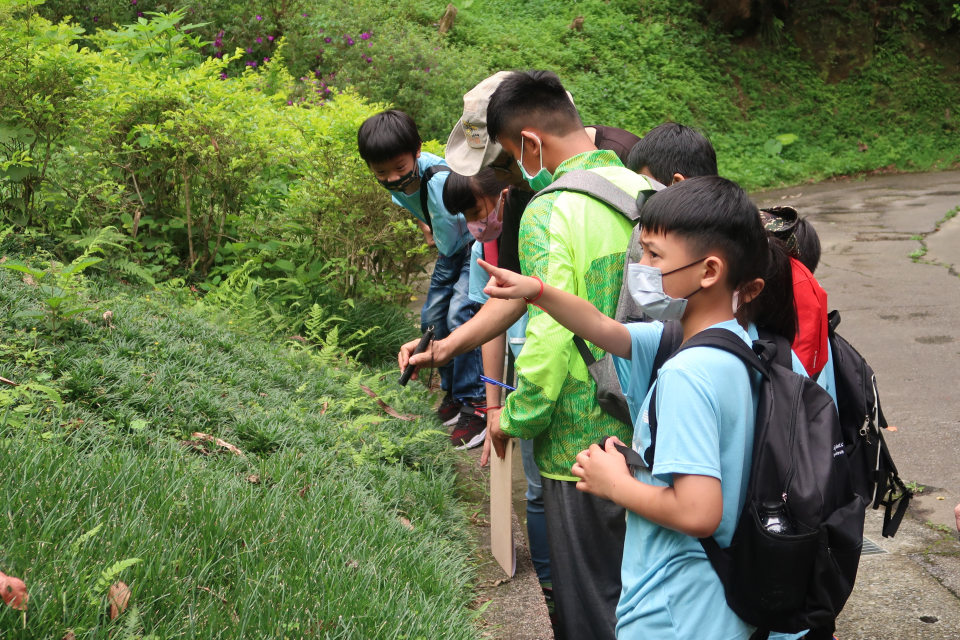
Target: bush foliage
204,172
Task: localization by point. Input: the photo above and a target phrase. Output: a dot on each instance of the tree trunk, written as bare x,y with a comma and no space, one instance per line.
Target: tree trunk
446,22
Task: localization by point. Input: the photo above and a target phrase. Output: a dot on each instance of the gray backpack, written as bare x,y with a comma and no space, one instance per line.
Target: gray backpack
609,394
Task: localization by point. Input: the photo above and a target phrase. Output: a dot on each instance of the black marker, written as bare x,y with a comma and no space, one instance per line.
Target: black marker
424,341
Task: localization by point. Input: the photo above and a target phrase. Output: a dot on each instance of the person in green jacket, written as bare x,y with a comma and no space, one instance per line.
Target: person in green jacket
575,243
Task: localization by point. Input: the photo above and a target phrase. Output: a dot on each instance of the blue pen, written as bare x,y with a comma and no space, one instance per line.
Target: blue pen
499,384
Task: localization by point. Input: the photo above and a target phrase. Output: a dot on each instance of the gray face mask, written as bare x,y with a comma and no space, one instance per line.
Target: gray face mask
646,287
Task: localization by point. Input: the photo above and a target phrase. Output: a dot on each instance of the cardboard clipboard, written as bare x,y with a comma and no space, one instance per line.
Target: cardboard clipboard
501,511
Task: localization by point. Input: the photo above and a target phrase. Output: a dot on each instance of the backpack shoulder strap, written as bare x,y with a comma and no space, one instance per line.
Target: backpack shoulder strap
784,348
424,194
833,321
670,341
758,358
596,186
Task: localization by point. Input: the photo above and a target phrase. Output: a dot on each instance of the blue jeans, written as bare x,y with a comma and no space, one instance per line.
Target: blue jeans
447,307
536,520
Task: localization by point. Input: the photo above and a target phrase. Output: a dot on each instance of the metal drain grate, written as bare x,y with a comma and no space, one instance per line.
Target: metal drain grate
871,548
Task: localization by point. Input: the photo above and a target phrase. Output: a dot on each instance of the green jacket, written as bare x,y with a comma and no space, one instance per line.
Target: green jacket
575,243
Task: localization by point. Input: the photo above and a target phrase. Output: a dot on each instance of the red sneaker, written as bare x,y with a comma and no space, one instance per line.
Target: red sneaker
471,428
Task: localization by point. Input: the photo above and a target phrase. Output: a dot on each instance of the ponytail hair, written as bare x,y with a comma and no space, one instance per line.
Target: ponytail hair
774,309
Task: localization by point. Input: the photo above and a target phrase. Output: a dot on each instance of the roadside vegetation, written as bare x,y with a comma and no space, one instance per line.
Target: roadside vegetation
248,487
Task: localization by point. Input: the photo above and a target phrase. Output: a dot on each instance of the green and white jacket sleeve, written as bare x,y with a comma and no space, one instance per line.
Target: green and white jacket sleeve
545,360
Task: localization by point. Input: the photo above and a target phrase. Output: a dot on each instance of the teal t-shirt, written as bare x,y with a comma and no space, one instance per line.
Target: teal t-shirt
449,228
517,333
706,409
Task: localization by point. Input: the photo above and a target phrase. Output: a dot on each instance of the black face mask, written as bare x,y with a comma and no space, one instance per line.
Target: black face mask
401,183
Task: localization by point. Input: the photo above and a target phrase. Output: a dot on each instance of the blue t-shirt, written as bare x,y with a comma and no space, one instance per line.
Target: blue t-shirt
449,229
517,333
706,409
827,378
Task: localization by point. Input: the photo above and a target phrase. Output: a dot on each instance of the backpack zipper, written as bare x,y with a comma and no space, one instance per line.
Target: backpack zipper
865,429
788,478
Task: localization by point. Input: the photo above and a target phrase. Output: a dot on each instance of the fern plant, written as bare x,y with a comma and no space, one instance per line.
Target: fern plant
61,286
325,340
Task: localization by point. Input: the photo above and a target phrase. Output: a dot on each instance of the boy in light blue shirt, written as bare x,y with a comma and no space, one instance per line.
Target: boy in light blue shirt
703,242
389,143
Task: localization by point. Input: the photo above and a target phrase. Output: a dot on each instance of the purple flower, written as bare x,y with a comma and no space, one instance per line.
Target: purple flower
370,45
259,18
289,103
328,40
218,54
427,70
249,49
349,40
259,41
321,51
96,19
304,15
139,14
320,31
364,36
265,60
270,38
133,1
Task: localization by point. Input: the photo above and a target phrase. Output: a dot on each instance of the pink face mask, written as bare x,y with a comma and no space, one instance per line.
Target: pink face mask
488,229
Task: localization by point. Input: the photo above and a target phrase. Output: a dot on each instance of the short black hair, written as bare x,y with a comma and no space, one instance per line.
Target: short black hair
673,148
808,244
526,98
711,213
462,192
387,135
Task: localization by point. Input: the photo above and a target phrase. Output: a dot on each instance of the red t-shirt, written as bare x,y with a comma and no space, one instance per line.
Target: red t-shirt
810,299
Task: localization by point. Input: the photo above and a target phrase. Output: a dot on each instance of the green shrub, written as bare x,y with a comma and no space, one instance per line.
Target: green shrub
203,172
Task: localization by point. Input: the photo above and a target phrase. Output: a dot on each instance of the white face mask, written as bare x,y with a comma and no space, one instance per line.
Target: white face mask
646,286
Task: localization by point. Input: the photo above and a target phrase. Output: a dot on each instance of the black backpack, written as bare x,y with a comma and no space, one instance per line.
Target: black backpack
784,583
875,476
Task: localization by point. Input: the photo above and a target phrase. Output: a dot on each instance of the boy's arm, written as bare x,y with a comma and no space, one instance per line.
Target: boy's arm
427,234
574,313
692,506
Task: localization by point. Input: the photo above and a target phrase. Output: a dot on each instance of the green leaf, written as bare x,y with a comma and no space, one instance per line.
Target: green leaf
73,312
286,265
17,173
75,547
773,147
787,138
138,425
36,273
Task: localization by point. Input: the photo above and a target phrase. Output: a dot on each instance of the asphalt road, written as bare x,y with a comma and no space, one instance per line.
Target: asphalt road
904,317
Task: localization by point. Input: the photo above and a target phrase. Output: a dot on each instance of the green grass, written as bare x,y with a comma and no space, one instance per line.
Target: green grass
313,547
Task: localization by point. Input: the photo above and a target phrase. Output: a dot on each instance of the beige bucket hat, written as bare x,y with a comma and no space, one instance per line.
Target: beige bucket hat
469,147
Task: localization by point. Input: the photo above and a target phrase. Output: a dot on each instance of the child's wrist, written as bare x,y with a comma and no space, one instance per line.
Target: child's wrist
537,294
